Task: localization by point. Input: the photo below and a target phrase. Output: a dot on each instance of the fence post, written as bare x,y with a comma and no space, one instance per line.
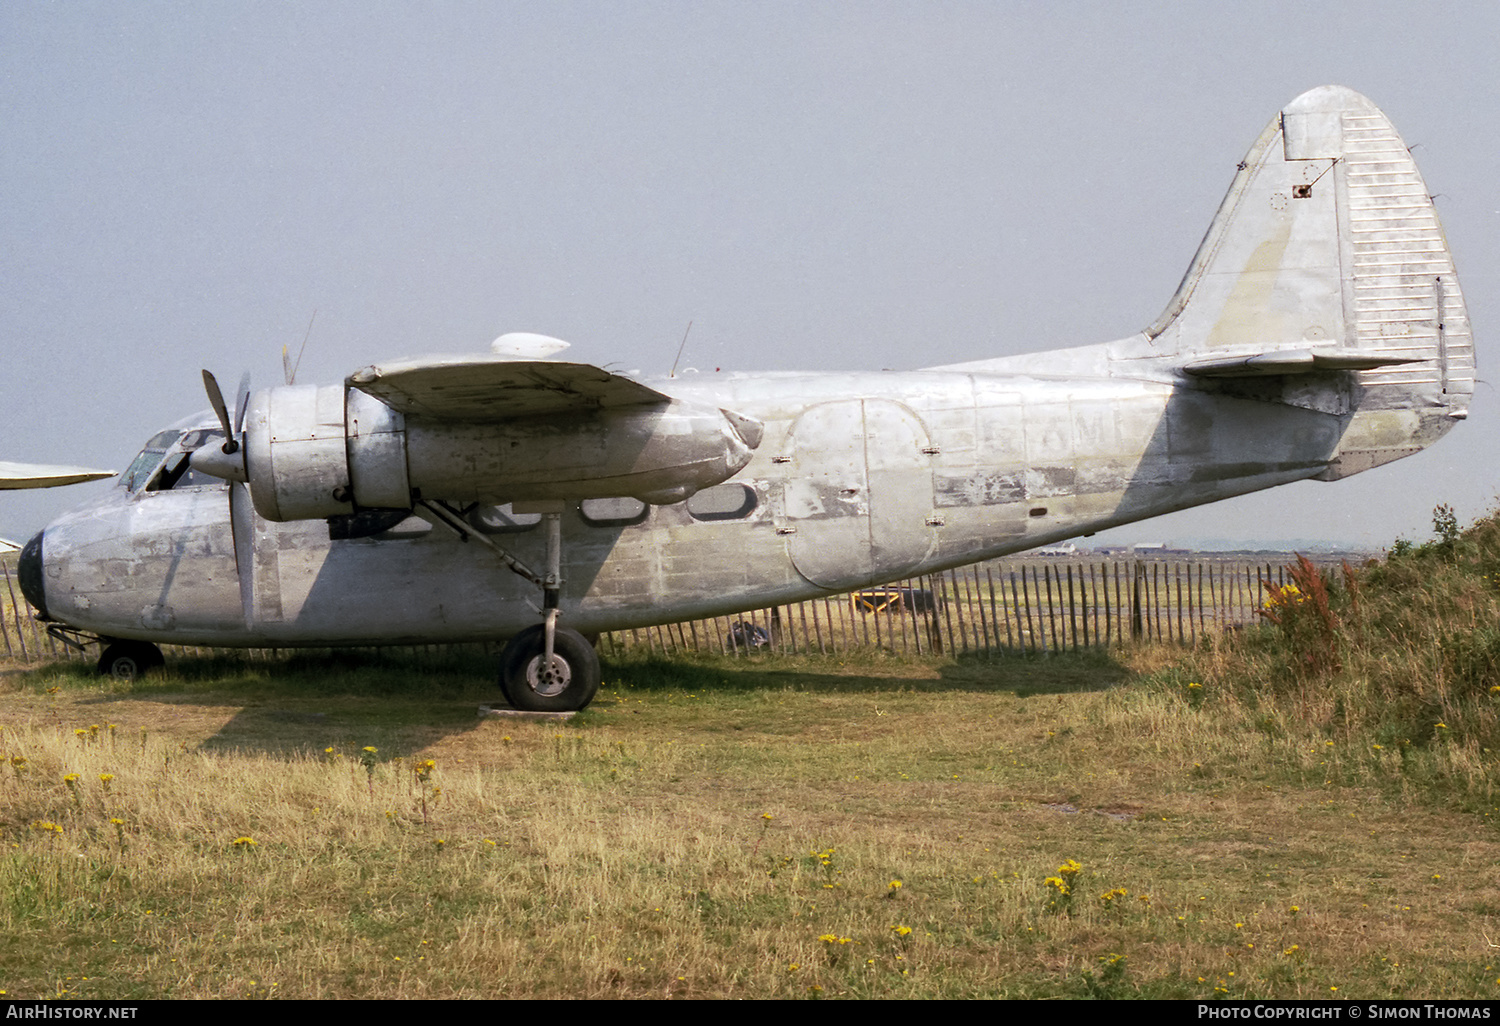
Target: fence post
20,634
1137,627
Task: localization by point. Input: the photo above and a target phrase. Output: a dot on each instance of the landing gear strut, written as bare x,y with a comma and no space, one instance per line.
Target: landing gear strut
545,668
129,660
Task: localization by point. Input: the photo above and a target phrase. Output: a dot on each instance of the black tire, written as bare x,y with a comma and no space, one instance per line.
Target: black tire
573,683
748,636
130,660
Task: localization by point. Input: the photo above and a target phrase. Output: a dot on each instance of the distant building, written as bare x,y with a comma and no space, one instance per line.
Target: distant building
1065,549
1157,549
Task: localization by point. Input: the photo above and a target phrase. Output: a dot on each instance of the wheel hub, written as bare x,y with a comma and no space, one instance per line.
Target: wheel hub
549,681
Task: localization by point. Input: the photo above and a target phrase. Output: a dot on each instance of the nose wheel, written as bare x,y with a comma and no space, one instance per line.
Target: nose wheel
568,683
129,660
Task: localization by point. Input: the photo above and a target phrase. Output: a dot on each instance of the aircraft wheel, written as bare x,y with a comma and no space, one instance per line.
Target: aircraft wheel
130,660
748,636
568,685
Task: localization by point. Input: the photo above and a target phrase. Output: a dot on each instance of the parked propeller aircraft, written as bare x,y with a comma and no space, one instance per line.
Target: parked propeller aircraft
1320,331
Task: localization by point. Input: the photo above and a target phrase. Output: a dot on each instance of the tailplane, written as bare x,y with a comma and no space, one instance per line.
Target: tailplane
1325,282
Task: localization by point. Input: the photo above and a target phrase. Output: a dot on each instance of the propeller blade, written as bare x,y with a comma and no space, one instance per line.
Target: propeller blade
242,531
216,400
242,403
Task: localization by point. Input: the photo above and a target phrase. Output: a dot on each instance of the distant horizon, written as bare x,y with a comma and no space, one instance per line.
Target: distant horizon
1216,545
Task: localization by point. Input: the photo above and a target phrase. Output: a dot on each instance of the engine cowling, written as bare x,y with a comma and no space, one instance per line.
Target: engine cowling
313,452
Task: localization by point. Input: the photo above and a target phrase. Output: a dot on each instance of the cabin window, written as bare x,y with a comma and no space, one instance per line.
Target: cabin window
501,519
732,501
618,511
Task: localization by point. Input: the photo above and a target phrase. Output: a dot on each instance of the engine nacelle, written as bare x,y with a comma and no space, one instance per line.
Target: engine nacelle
314,452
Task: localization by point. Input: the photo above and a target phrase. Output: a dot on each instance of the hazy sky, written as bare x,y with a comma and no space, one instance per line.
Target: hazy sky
815,186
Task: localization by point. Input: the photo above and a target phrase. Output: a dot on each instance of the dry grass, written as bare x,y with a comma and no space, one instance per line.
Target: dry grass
628,853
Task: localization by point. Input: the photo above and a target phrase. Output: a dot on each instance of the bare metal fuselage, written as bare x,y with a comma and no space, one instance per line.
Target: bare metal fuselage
860,479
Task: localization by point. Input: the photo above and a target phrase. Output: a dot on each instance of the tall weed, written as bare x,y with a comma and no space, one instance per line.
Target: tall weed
1404,655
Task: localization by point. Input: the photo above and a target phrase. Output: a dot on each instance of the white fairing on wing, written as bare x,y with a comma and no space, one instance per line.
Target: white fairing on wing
526,345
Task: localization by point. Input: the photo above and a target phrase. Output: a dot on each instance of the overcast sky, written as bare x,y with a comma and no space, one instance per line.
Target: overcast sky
818,186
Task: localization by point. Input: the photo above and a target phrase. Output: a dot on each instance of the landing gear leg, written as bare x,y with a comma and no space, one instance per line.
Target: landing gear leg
547,668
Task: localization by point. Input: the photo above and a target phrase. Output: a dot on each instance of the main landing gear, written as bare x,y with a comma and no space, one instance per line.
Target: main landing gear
568,682
545,668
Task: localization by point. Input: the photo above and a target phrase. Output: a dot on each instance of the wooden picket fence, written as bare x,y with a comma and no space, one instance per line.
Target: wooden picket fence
989,609
1024,606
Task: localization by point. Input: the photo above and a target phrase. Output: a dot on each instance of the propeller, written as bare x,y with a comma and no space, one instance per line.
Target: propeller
242,404
226,463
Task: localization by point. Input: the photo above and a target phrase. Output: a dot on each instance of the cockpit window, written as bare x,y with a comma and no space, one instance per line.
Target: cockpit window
177,470
164,461
144,465
198,439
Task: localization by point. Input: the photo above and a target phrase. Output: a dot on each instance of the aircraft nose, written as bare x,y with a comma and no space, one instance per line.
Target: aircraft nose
29,572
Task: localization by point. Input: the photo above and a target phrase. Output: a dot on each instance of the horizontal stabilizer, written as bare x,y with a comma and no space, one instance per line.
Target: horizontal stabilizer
36,475
486,388
1291,361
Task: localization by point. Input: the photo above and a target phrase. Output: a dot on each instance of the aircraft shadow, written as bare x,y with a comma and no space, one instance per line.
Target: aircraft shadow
402,704
1014,673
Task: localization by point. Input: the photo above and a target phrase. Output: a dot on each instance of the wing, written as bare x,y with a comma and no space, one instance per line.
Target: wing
37,475
487,388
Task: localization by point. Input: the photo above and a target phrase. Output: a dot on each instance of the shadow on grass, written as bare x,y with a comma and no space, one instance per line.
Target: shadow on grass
462,675
396,700
402,701
1018,674
366,673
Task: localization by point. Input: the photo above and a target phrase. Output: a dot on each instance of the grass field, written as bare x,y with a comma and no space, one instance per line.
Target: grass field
751,828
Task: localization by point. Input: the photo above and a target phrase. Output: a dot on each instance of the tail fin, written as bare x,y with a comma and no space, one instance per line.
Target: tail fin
1327,267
